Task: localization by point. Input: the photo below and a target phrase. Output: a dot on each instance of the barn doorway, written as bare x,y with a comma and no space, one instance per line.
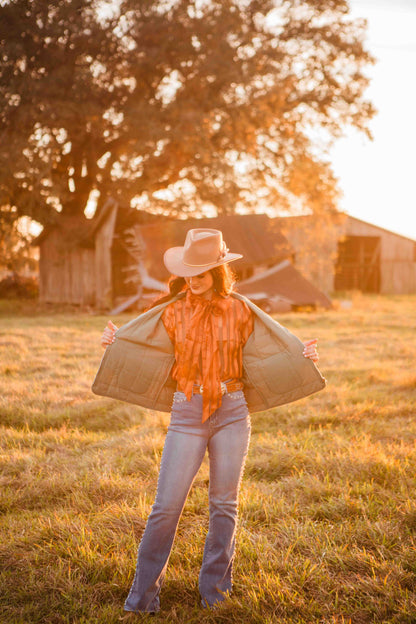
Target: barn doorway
358,264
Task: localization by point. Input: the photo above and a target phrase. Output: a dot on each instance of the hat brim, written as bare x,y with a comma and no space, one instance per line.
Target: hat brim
173,260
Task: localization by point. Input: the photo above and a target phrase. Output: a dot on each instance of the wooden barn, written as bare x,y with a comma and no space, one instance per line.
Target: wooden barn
76,259
66,264
117,260
346,253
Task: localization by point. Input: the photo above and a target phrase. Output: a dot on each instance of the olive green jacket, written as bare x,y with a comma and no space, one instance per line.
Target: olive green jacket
136,367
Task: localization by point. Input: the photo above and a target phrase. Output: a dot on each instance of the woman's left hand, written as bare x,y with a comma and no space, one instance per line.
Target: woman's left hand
310,351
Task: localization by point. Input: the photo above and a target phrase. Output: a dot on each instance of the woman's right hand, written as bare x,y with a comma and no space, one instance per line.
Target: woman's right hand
107,337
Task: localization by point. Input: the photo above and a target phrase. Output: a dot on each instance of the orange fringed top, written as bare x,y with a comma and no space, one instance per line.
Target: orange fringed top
208,336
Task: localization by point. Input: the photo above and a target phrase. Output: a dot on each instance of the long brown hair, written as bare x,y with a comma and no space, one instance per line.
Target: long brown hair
223,276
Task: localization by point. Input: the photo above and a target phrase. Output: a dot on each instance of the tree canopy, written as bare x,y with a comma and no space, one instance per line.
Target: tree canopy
177,105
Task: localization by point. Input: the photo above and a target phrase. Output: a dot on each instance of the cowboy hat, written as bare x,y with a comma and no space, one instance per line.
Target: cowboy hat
204,249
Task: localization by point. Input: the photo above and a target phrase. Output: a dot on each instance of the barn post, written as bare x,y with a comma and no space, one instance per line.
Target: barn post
103,266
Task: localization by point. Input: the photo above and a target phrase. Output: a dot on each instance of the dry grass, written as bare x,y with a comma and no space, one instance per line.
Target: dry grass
328,503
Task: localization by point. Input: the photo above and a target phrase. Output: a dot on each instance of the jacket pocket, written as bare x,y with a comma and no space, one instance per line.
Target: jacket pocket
135,372
277,373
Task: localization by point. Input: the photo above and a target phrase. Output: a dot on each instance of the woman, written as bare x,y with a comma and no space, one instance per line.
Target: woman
215,354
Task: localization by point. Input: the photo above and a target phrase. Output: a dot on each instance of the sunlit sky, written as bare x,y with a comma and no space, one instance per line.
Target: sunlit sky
378,178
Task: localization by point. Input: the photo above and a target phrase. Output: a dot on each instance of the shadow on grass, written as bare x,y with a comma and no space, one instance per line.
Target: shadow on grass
101,415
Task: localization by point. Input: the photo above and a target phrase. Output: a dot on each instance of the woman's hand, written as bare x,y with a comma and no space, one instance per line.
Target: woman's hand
107,337
310,351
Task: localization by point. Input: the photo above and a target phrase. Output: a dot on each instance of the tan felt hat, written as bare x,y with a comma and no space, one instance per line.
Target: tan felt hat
204,249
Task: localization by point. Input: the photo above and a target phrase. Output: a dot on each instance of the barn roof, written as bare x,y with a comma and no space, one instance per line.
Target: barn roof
378,227
284,281
303,219
77,230
73,231
255,236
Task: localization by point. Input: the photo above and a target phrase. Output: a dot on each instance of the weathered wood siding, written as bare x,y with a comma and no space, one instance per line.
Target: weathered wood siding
66,274
397,257
316,245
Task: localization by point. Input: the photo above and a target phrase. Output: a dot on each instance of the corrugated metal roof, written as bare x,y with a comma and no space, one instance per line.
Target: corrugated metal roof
255,236
286,281
80,231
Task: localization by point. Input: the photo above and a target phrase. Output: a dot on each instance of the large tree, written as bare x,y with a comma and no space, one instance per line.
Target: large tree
177,104
16,252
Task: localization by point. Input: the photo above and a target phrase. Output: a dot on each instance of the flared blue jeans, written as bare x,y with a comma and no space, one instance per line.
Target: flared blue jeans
226,435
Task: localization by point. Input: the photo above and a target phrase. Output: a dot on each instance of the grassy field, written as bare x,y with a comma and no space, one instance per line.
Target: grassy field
328,504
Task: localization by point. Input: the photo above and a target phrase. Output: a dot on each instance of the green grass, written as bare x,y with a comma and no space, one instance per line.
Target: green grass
328,503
